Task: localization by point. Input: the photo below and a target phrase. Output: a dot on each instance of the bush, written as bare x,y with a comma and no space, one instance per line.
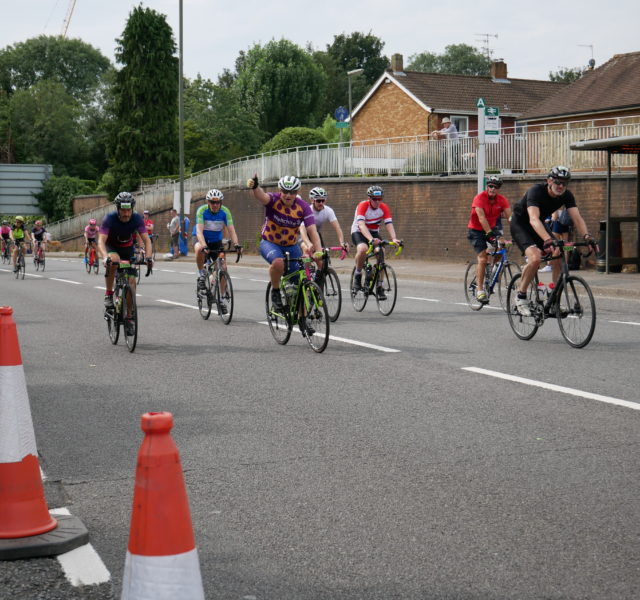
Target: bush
57,194
291,137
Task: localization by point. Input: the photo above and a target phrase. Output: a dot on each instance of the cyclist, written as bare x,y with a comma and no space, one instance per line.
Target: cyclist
365,229
285,211
529,232
38,233
482,228
90,237
19,235
5,236
321,214
212,219
115,243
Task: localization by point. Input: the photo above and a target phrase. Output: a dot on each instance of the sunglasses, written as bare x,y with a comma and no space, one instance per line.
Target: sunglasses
492,187
321,200
215,201
376,198
559,182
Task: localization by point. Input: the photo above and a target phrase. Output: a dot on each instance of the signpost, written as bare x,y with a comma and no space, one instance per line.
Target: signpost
341,114
488,133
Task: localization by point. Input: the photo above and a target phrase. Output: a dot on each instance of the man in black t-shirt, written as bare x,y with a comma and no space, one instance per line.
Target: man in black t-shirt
529,232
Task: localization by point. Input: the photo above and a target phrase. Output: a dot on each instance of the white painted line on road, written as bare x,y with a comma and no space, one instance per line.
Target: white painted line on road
99,287
167,270
349,341
554,388
177,303
82,566
33,275
625,322
187,272
66,281
422,299
260,280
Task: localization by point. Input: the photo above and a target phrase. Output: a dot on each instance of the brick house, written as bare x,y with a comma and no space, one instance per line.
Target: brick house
406,104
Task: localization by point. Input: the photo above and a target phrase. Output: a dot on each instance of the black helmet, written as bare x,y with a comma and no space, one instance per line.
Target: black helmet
375,191
560,172
494,180
125,200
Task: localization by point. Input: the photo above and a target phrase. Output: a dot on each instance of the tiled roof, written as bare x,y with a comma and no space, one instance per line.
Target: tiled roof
446,93
615,84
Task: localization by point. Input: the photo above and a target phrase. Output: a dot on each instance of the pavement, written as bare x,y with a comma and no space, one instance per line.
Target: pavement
602,284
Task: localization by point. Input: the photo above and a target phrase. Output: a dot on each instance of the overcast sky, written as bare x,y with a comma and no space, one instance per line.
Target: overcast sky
532,37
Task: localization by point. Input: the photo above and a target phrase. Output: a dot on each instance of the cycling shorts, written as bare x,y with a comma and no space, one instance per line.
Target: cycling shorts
358,238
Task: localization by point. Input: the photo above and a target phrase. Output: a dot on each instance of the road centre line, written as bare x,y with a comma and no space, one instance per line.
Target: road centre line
422,299
625,322
554,388
66,281
176,303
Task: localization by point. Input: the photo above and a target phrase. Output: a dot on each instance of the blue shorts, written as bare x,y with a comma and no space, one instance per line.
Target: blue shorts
270,251
560,228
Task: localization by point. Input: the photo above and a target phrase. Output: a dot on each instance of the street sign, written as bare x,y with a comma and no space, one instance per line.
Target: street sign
341,113
492,111
480,103
491,125
340,124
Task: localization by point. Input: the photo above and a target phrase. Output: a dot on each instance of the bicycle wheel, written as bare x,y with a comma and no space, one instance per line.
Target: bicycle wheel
113,317
130,323
389,287
278,324
96,264
332,294
315,323
42,260
471,287
509,270
36,262
224,301
153,250
576,312
139,270
524,327
359,298
204,297
23,266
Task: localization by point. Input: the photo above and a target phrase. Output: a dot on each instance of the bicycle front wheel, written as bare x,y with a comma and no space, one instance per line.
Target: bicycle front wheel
113,317
130,325
509,270
359,297
524,326
42,261
332,294
576,312
471,287
23,267
204,297
386,290
96,265
315,322
224,300
279,325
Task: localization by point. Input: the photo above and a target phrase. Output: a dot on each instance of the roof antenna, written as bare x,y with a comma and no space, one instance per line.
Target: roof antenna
592,62
486,50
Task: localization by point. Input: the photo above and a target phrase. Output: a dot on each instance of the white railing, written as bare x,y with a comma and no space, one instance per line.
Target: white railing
534,151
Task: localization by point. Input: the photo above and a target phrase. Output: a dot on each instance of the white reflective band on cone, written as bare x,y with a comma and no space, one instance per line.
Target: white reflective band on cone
175,577
17,438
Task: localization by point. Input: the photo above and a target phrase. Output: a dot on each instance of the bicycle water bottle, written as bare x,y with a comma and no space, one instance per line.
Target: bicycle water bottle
368,274
542,291
289,290
550,288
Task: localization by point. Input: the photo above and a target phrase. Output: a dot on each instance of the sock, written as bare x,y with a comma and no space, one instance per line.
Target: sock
108,293
522,295
358,271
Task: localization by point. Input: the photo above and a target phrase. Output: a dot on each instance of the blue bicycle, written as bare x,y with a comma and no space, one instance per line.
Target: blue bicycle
499,272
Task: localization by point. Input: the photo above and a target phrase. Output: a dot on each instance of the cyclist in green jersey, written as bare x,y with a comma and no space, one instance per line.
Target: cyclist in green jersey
19,234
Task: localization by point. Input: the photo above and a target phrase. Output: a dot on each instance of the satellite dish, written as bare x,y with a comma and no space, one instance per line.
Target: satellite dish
592,63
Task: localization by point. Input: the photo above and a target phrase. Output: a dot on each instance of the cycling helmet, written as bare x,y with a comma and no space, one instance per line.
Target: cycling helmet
92,221
145,212
5,222
21,219
38,223
317,192
289,183
215,195
560,172
375,191
125,200
494,180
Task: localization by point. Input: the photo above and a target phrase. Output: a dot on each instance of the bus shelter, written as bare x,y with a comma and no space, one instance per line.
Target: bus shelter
617,145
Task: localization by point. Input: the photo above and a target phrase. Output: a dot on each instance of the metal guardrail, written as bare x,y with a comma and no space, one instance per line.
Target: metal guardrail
519,152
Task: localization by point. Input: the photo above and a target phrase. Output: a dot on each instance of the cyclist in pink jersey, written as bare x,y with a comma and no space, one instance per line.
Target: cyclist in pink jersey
90,237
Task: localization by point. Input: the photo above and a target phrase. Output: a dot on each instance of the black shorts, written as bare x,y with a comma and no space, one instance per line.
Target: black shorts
214,249
358,238
125,252
524,235
478,239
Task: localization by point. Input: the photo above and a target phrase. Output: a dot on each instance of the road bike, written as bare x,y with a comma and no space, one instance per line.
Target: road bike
125,310
303,305
380,280
329,283
570,302
20,268
497,277
91,261
38,256
6,252
139,258
218,288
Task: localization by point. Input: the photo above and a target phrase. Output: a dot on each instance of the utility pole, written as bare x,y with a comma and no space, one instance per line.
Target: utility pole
181,130
67,19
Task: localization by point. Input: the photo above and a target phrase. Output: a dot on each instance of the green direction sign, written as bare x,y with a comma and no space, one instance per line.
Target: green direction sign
480,103
492,111
341,124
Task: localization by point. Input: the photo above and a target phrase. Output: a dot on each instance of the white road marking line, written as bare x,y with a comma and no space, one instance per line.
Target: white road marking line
167,270
187,272
33,275
66,281
83,565
99,287
177,303
260,280
625,322
555,388
349,341
423,299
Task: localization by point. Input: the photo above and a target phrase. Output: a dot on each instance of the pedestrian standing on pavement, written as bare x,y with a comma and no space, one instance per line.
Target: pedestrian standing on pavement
174,232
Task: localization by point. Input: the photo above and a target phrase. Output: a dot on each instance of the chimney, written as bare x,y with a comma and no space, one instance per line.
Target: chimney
498,69
397,64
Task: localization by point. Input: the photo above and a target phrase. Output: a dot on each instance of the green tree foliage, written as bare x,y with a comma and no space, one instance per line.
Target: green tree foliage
457,59
282,84
77,65
292,137
144,138
565,75
57,194
332,133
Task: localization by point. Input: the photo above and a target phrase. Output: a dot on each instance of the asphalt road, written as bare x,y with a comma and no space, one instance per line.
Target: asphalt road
380,469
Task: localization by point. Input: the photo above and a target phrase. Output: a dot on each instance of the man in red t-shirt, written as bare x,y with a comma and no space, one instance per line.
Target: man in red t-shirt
486,208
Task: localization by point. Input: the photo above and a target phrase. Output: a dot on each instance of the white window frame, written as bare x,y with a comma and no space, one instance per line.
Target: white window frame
462,125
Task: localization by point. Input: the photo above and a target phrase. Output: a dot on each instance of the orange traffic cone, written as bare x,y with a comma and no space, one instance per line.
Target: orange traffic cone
162,559
23,508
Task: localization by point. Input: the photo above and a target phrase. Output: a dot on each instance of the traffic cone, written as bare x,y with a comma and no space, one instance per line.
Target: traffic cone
162,559
26,528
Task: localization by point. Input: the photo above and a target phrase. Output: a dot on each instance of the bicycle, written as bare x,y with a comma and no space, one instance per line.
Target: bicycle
303,305
500,273
91,261
20,268
570,302
124,301
38,256
6,252
139,258
217,279
380,280
327,280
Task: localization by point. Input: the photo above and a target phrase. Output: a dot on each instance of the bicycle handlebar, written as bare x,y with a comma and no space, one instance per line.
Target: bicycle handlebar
399,245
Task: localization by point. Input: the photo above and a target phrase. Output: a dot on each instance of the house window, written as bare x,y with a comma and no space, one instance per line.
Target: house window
520,130
462,125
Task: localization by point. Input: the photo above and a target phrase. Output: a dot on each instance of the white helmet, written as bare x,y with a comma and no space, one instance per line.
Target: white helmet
289,183
215,194
317,192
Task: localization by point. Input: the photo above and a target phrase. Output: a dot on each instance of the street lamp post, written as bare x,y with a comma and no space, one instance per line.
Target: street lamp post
180,124
349,75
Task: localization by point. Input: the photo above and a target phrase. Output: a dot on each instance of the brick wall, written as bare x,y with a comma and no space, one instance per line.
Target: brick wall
84,203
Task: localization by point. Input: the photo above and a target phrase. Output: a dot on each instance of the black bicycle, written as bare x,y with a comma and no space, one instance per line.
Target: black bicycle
380,280
499,274
125,309
6,252
303,304
38,256
218,288
329,283
570,302
20,268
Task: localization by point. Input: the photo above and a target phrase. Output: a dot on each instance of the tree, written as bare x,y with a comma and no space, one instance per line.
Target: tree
292,137
57,195
144,138
457,59
282,84
565,75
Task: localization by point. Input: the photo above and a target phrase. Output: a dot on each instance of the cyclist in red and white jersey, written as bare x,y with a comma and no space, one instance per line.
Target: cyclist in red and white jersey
366,226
